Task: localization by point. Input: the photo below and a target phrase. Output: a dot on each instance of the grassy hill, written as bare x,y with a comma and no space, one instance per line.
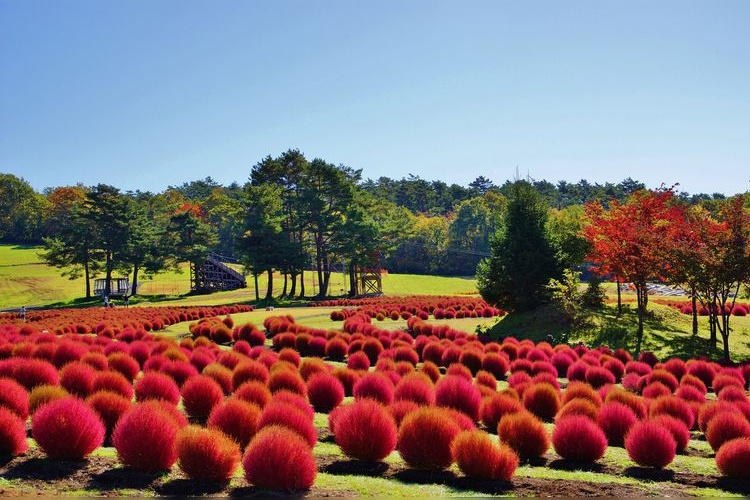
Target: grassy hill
26,280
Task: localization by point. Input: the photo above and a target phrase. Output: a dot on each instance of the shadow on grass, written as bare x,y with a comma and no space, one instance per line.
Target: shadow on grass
448,478
44,469
191,487
572,465
123,477
251,491
356,467
739,486
649,474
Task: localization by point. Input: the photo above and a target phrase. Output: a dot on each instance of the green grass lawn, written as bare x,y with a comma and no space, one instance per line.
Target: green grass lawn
26,280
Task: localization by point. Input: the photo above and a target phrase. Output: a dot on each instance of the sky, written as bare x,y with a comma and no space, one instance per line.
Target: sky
144,94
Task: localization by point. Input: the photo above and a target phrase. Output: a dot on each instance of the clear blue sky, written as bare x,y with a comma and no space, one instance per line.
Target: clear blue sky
143,94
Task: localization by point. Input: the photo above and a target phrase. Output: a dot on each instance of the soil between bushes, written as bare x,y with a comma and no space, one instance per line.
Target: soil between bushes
35,475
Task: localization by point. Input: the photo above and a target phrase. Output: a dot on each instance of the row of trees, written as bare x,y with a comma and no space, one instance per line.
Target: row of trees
651,235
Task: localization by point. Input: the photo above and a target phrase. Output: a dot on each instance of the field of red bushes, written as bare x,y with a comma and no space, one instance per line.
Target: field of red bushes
421,306
241,399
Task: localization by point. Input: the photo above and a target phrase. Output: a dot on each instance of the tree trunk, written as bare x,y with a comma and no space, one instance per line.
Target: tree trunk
353,280
134,287
324,275
255,277
639,293
302,284
619,298
286,280
269,288
713,321
108,276
293,289
88,279
694,302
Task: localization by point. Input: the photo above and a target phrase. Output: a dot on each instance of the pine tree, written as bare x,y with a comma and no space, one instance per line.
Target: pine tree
522,257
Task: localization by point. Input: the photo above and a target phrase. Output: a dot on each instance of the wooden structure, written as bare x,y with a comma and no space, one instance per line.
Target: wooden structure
214,274
368,276
118,287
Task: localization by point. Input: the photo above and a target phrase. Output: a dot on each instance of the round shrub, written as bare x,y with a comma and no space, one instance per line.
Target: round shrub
125,364
249,370
655,390
358,361
280,413
279,459
495,407
399,409
733,394
287,380
206,454
577,390
479,456
375,386
578,406
497,364
725,426
348,378
78,378
365,430
417,388
12,433
459,394
425,437
486,379
155,385
524,433
675,407
310,366
43,394
598,376
542,400
616,419
709,410
67,429
33,372
733,457
578,438
110,406
680,432
325,392
145,437
114,382
237,419
253,392
633,401
14,397
650,445
200,394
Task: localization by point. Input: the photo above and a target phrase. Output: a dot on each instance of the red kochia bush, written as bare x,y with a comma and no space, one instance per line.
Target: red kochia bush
496,363
78,378
733,457
33,372
675,407
200,394
680,432
206,453
110,406
358,361
115,382
425,436
542,400
145,437
279,459
365,430
616,419
578,406
155,385
726,426
376,386
14,397
524,433
253,392
280,413
236,418
578,438
495,407
459,394
598,376
479,456
125,364
67,429
287,380
415,387
12,433
325,392
650,445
